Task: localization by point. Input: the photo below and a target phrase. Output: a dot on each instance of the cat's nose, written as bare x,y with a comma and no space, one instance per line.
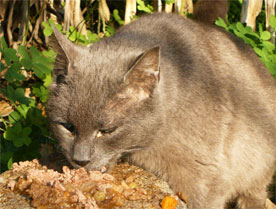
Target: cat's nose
81,152
82,162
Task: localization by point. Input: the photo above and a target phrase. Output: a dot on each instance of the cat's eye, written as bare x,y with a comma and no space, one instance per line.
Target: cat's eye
68,126
105,131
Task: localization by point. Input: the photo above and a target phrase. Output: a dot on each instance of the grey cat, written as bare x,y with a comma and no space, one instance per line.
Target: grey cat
181,99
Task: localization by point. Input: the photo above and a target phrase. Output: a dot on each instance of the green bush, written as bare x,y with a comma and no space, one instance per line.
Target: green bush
27,75
259,41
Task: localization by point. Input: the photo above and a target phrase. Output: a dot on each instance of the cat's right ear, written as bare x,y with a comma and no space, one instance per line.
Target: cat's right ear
66,52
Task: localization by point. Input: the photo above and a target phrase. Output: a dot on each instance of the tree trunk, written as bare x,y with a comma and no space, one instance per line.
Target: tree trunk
130,10
24,22
104,10
270,10
67,15
9,25
182,6
250,11
3,10
168,8
159,6
73,16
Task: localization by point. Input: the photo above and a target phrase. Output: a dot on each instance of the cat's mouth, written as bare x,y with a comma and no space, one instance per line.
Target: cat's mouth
103,168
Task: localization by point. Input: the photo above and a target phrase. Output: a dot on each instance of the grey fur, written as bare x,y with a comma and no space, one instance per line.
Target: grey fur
185,101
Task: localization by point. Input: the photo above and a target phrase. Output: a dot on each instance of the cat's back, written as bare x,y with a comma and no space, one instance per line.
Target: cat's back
199,51
214,71
197,57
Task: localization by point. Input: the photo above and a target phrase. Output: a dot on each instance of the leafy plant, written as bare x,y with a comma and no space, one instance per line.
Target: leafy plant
259,41
169,1
145,8
26,77
117,17
72,34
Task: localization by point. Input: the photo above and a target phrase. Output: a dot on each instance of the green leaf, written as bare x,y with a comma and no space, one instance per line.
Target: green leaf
73,35
71,28
249,30
19,95
260,28
10,55
258,51
18,141
27,141
265,55
10,162
36,92
110,30
47,29
47,80
12,132
2,67
244,38
92,37
18,135
240,35
26,131
36,118
232,27
14,117
3,43
5,156
10,91
8,134
17,128
270,66
26,59
265,35
23,109
240,27
41,65
169,1
50,54
117,17
272,21
34,52
142,7
15,66
59,27
44,94
220,22
41,92
22,50
269,46
13,73
27,63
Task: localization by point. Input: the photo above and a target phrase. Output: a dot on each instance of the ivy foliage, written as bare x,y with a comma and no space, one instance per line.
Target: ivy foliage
260,40
27,75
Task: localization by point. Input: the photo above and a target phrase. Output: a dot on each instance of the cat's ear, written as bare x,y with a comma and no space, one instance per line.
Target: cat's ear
143,77
66,52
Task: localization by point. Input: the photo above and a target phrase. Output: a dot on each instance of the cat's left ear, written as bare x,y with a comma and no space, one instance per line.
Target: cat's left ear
143,77
66,53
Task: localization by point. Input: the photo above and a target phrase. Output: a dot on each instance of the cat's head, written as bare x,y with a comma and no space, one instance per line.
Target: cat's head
102,101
